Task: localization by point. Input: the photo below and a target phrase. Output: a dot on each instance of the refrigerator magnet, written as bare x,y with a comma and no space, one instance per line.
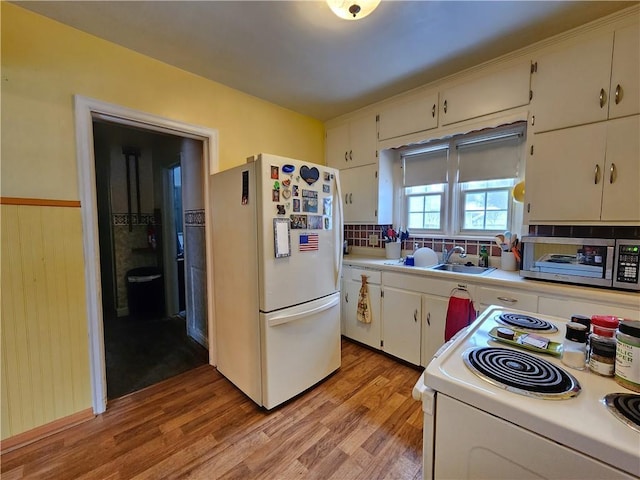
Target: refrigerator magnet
280,209
281,237
299,222
326,176
275,195
288,168
309,175
296,204
296,191
275,173
326,188
286,193
314,222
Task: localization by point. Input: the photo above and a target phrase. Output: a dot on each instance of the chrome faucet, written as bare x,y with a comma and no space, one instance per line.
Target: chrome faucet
446,254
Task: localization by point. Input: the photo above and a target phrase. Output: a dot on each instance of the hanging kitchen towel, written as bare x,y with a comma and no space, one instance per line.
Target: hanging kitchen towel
460,313
364,303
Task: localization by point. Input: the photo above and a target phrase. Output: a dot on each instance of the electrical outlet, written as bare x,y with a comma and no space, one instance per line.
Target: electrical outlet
373,240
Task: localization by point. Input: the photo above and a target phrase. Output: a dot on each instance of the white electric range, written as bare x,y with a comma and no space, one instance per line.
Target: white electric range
476,427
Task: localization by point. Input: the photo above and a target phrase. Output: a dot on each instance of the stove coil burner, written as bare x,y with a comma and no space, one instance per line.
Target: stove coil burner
521,373
625,407
526,323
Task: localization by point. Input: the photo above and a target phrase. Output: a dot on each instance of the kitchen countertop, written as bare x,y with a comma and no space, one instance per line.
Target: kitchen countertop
500,278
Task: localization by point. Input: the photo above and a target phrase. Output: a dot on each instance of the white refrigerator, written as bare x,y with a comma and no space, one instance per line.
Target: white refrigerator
277,255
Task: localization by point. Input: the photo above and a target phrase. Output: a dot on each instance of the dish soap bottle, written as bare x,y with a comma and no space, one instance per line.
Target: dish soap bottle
483,259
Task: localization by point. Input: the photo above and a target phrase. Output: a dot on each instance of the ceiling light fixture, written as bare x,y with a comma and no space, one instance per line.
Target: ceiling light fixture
353,9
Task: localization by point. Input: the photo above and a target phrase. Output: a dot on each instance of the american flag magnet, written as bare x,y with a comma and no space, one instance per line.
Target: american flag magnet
308,242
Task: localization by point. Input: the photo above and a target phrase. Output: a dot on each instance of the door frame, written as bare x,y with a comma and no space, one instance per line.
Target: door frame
86,111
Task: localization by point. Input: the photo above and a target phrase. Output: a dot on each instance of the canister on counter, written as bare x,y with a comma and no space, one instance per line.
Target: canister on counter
574,346
602,355
627,367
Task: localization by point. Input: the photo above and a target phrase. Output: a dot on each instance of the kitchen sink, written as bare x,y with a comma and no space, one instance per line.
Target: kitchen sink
458,268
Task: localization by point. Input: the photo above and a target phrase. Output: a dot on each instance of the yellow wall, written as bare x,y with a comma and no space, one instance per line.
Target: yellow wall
45,369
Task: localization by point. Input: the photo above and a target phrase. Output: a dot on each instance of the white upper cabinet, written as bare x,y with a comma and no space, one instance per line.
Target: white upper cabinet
414,113
494,92
577,85
367,194
352,144
624,93
586,173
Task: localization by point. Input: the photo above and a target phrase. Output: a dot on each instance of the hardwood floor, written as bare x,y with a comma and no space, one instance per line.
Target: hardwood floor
360,423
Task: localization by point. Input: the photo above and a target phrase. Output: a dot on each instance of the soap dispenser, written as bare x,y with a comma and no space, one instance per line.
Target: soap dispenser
483,259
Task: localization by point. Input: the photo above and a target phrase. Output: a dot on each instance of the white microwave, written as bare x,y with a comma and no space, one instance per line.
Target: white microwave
583,261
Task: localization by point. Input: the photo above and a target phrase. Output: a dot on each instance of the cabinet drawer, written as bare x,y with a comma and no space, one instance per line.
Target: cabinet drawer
373,276
508,298
418,283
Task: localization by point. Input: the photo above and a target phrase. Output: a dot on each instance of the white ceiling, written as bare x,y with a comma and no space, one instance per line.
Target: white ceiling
299,55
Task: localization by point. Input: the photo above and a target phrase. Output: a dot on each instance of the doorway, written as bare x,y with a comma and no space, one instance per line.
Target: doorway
142,252
87,111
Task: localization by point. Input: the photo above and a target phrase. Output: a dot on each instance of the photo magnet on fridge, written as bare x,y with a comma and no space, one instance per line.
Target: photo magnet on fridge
274,172
326,188
281,210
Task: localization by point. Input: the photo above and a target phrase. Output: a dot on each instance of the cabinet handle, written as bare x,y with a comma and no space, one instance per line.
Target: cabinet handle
507,299
415,315
612,172
346,198
351,198
445,106
433,111
603,97
429,318
618,95
596,174
350,154
346,297
346,155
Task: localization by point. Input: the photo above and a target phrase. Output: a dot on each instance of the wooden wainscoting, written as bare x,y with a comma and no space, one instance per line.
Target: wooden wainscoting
360,423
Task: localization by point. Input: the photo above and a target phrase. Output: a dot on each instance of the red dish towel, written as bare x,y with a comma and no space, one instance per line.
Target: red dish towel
460,313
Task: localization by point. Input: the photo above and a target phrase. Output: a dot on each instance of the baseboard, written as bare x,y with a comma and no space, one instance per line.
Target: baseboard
45,430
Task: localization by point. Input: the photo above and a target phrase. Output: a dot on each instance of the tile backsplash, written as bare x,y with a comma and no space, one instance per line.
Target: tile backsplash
358,236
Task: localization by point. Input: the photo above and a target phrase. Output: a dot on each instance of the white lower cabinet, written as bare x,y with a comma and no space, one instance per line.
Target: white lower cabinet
434,315
401,324
562,307
368,333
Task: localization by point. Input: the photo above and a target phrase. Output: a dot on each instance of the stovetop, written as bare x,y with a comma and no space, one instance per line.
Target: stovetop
580,422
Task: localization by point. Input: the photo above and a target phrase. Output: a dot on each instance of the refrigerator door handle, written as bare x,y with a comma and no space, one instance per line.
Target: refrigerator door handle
282,319
338,232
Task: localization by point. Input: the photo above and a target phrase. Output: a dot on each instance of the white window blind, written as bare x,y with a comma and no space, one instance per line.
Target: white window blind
490,158
426,168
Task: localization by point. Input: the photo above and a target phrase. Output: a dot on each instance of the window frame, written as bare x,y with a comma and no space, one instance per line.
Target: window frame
452,213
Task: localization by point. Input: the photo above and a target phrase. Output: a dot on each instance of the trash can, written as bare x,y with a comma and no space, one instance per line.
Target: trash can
145,292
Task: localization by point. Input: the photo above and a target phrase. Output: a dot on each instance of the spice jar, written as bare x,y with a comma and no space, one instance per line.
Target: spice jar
602,355
574,346
586,321
604,325
627,367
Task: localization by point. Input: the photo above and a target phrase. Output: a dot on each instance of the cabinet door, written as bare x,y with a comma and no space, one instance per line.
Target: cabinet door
410,115
434,315
501,90
367,333
401,318
565,174
621,176
569,82
624,96
337,146
360,194
363,139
